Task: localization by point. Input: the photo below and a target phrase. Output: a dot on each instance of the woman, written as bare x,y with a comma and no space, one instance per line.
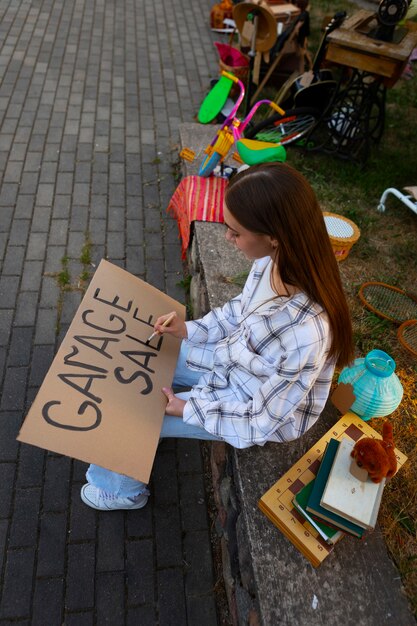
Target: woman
260,367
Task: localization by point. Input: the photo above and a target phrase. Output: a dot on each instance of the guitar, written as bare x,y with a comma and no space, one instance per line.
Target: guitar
315,87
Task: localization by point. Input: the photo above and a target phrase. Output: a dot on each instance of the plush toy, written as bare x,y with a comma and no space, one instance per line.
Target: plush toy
377,456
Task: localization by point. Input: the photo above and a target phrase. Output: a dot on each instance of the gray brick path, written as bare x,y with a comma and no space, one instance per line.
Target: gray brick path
91,96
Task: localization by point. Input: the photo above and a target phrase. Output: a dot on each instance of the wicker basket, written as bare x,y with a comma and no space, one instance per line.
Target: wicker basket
232,60
343,233
240,72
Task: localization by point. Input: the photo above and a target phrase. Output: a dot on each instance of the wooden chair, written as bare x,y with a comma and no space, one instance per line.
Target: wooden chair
287,46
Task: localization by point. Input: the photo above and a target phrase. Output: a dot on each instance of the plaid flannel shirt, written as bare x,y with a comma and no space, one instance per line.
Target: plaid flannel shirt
265,374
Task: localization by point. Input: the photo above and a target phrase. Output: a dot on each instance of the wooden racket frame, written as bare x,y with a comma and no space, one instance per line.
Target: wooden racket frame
377,311
400,335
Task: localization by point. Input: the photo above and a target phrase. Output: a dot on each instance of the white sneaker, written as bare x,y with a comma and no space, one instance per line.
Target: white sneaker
103,501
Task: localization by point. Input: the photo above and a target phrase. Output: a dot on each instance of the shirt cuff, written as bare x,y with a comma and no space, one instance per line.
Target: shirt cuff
194,333
189,415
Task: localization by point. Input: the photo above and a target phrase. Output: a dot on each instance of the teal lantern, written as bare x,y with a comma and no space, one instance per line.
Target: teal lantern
376,387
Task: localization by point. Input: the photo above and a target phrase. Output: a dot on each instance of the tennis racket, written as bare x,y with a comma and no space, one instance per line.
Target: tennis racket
390,303
407,336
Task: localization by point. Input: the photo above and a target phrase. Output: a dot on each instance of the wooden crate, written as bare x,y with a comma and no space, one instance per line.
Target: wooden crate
350,46
285,12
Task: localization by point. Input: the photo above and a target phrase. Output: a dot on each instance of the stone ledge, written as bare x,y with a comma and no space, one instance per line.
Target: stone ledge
268,581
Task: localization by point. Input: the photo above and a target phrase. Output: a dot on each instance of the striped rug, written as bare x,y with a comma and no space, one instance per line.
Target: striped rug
197,198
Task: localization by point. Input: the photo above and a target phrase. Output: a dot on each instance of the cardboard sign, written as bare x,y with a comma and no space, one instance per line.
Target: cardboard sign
101,400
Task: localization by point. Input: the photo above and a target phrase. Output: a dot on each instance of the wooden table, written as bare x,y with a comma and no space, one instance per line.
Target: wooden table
355,116
350,45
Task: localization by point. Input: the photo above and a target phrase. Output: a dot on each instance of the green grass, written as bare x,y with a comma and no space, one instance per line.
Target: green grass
238,279
86,260
63,276
85,256
185,283
386,251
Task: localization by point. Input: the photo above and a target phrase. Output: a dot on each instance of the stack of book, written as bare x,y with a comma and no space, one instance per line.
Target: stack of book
342,498
278,502
301,484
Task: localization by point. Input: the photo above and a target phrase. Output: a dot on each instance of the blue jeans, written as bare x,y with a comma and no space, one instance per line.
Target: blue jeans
124,486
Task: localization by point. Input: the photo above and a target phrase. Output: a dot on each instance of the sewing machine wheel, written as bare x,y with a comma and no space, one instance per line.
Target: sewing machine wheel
390,12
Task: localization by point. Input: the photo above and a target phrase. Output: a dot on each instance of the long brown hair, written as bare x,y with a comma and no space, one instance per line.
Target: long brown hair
274,199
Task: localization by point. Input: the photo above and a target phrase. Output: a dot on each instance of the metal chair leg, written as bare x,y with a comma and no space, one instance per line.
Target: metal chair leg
406,199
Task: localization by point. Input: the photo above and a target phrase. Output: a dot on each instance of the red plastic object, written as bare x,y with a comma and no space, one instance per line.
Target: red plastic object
231,56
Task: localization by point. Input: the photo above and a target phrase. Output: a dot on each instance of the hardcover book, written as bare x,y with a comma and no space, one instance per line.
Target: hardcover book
330,535
347,495
314,506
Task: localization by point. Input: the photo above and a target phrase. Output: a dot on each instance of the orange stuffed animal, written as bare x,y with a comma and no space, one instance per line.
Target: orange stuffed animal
377,456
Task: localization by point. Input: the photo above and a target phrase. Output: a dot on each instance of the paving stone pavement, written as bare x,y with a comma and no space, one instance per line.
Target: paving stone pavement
91,97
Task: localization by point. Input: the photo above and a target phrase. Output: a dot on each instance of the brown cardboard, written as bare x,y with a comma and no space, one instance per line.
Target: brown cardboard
101,400
343,397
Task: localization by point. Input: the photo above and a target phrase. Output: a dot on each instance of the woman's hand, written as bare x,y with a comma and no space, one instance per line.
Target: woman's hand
175,327
175,405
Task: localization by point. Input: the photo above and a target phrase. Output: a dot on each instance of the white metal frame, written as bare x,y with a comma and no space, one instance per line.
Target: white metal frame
407,198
